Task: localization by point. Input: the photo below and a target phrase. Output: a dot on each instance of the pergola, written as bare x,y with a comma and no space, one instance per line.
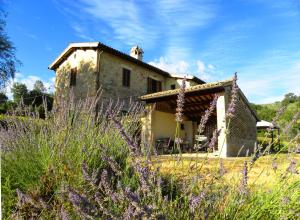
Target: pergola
161,108
197,99
265,125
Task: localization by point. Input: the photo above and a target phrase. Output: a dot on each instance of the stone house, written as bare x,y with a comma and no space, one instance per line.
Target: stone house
87,67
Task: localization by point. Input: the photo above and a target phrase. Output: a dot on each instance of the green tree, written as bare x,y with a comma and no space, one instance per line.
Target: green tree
3,98
34,98
289,98
8,60
19,91
39,86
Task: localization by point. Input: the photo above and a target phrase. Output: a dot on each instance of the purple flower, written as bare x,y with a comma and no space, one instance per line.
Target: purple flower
222,168
213,142
208,113
195,201
63,214
292,122
234,98
114,166
178,140
133,146
24,199
180,102
81,204
274,165
278,114
244,182
129,213
292,167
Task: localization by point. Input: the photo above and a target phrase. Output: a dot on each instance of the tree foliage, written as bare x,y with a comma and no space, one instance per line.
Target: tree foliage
36,99
8,60
291,105
39,86
3,98
19,91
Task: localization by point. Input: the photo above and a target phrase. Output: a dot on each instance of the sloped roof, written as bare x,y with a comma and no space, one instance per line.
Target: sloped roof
190,89
187,76
207,88
265,124
94,45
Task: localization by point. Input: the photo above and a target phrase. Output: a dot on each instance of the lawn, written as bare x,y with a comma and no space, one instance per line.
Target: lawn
262,174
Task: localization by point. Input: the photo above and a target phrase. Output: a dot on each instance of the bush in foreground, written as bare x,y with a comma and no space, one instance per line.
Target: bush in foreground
74,166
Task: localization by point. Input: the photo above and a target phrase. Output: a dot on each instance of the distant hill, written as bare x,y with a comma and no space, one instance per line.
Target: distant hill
290,114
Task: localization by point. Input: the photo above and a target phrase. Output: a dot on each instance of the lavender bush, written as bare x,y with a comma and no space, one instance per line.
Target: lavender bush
80,165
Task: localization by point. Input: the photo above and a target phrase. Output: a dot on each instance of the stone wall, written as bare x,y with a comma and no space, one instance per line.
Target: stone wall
85,62
111,70
241,138
98,69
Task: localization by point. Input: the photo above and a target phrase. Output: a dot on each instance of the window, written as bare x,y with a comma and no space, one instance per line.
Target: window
182,126
73,77
126,77
173,86
153,85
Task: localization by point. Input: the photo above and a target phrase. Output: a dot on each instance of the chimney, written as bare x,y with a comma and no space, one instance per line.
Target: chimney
137,52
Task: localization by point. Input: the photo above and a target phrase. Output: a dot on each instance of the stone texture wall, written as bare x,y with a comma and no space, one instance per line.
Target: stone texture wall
98,69
242,131
238,135
85,62
111,70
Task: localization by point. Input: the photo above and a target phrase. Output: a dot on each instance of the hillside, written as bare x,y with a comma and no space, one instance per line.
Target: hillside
289,116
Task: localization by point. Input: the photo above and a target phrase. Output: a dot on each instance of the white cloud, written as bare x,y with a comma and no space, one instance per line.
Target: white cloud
211,67
207,72
203,71
29,82
146,23
191,67
270,86
163,63
200,67
82,32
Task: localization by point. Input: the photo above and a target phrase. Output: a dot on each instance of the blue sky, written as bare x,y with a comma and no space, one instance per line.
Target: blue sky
212,39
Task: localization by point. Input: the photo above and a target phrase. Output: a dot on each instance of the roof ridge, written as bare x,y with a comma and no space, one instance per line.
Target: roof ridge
189,89
98,44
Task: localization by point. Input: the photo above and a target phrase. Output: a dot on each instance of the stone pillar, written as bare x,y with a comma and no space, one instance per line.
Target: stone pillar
147,134
221,125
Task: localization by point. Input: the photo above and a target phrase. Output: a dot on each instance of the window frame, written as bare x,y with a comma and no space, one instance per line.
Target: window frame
153,85
126,73
73,77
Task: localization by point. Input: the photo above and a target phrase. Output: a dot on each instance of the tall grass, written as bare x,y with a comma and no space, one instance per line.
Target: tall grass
79,165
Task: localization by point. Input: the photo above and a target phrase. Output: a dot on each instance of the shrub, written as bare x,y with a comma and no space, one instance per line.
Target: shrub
75,164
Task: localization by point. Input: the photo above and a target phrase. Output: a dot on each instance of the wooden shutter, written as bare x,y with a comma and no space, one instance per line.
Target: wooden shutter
73,77
153,85
158,86
126,77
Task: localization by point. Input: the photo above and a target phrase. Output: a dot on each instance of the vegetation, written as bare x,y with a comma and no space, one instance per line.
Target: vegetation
286,115
37,99
8,60
76,166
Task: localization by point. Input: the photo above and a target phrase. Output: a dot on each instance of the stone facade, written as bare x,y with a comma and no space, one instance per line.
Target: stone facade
111,77
98,69
102,69
237,135
85,61
242,131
